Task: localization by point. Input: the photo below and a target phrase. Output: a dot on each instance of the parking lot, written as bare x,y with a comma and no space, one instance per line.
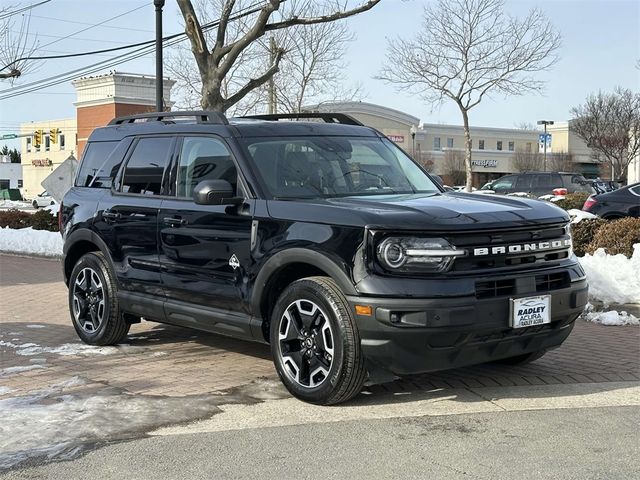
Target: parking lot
170,361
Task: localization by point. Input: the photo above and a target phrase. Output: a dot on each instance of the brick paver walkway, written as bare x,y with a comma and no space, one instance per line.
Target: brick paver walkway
164,360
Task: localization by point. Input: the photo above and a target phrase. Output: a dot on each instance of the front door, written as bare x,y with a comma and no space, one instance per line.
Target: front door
204,249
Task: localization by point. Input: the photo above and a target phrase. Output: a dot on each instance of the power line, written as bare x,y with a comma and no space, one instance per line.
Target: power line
23,9
60,38
117,60
85,23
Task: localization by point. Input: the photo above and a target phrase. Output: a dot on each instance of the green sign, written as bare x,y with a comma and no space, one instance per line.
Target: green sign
7,136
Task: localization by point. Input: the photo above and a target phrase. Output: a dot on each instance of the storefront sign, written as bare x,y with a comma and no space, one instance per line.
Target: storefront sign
396,138
41,162
485,163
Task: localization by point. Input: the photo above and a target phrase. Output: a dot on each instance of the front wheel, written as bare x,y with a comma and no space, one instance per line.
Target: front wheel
315,342
93,302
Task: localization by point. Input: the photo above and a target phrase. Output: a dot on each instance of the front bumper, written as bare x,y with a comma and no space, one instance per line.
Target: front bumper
407,336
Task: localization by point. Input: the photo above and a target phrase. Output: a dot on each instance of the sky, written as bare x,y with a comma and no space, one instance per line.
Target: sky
601,45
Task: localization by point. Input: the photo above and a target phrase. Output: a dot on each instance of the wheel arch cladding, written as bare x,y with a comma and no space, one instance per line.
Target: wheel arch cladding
285,268
78,244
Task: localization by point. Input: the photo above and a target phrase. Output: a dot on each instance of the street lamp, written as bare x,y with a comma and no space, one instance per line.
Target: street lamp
545,123
159,82
413,131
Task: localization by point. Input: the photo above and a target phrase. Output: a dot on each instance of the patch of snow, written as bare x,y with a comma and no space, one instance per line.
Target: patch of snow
484,192
31,242
68,349
53,209
36,326
613,278
579,215
611,317
518,194
4,390
5,372
17,204
52,425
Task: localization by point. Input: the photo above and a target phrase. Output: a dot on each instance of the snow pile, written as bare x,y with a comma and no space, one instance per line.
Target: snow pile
17,204
5,372
613,278
53,424
579,215
612,317
30,241
551,198
519,194
70,349
53,209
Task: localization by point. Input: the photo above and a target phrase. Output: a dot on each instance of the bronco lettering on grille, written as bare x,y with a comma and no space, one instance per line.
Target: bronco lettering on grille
524,247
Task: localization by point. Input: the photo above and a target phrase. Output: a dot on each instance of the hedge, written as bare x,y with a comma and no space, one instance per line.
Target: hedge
41,220
616,236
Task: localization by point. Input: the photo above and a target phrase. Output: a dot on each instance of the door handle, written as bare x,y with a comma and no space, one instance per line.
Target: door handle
109,215
174,222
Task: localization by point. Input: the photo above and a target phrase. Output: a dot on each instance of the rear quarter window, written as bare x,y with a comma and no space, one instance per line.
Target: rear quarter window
100,163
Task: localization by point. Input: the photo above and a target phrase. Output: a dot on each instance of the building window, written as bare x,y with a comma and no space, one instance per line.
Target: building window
449,142
4,184
512,146
20,183
528,147
61,141
28,144
481,144
47,143
499,145
436,143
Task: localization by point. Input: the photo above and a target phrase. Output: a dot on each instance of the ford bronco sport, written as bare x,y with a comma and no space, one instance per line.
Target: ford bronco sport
320,237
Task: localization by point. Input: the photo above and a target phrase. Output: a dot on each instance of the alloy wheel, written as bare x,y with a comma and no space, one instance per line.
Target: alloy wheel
306,343
88,300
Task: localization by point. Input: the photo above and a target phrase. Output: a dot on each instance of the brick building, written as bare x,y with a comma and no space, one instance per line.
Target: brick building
98,100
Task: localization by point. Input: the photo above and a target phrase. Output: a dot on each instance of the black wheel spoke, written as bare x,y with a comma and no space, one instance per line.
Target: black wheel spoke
88,300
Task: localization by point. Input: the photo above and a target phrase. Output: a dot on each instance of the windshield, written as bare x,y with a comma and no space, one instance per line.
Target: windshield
312,167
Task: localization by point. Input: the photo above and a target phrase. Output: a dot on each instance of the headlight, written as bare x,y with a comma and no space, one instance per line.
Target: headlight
409,254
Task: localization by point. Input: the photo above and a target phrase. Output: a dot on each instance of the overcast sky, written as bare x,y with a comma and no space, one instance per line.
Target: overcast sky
601,45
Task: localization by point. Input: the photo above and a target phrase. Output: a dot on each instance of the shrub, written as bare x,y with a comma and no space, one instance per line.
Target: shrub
14,219
616,236
44,220
583,232
573,200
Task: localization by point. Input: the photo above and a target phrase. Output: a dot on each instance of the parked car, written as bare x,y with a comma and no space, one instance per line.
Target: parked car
624,202
323,239
539,183
43,200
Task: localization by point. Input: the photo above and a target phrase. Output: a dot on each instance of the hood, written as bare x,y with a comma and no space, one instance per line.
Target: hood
451,211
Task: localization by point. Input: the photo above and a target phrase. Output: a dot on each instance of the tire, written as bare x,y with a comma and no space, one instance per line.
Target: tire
522,359
315,342
94,305
35,204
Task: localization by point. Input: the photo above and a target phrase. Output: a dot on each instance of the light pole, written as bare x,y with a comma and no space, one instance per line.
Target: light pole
159,83
545,123
413,131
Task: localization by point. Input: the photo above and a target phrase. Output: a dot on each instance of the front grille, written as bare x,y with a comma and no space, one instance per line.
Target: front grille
546,282
508,261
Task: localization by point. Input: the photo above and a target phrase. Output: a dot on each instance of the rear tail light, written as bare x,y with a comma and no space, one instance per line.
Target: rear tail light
589,203
559,191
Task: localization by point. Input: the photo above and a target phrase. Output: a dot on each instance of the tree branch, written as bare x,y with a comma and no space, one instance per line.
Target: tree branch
293,21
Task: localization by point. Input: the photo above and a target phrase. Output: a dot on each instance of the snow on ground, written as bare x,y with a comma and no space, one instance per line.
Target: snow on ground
53,209
551,198
613,278
611,317
57,424
579,215
31,242
5,372
17,204
68,349
5,390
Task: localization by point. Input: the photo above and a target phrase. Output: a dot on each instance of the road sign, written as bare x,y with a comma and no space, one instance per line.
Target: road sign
8,136
544,139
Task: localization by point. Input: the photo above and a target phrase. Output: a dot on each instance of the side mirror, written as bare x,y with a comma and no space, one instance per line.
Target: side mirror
215,192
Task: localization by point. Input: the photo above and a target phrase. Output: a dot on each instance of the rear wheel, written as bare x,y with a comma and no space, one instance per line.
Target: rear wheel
93,302
315,342
522,359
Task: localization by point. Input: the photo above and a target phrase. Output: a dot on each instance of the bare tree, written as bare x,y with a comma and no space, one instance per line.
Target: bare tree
215,62
15,45
525,126
560,162
524,161
426,159
454,167
470,49
609,123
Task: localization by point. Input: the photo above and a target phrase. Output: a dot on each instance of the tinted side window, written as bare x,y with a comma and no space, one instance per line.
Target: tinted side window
98,163
548,181
524,182
503,183
146,166
204,158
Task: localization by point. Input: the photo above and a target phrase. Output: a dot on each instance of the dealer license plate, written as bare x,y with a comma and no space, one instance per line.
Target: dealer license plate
530,311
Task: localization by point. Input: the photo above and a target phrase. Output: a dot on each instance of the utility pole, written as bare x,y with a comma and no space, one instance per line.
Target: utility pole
159,82
272,86
545,123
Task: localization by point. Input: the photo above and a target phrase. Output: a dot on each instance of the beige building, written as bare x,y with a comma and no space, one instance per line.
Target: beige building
563,140
39,162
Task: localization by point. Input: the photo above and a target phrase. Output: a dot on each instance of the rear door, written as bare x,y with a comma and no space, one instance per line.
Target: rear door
545,183
127,217
204,249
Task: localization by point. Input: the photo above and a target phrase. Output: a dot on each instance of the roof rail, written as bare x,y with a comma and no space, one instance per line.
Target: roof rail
200,116
326,116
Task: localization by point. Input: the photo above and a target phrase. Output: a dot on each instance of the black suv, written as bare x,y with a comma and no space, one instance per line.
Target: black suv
540,183
322,238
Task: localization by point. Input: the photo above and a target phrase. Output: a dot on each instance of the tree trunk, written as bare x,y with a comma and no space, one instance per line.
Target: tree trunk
211,95
467,149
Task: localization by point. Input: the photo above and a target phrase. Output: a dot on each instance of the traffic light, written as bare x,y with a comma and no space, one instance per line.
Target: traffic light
53,135
37,138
